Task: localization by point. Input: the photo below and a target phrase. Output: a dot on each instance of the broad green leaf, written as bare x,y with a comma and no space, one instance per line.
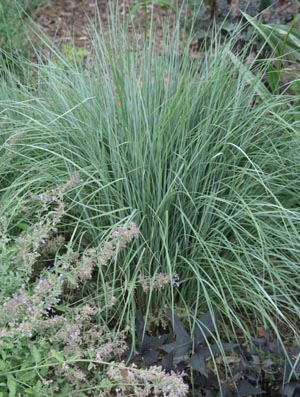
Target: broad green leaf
105,382
23,226
280,38
59,356
26,376
12,386
71,279
37,387
36,354
91,366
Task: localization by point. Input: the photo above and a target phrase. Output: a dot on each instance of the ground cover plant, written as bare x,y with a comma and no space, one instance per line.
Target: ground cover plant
15,41
13,29
63,348
264,368
196,158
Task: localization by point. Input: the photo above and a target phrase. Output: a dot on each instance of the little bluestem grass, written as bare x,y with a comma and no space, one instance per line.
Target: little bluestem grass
196,152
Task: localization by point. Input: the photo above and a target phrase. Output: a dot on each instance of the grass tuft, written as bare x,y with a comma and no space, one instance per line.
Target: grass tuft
197,153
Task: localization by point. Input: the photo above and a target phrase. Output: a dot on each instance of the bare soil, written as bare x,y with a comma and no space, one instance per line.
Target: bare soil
63,20
70,20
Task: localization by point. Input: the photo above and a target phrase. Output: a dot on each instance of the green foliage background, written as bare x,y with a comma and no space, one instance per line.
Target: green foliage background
13,14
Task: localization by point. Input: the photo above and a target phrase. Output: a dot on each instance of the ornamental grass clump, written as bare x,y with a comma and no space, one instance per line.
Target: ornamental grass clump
197,152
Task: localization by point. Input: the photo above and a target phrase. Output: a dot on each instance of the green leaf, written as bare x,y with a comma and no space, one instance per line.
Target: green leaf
281,38
37,387
26,376
36,354
12,386
59,356
24,226
273,78
91,366
105,383
71,279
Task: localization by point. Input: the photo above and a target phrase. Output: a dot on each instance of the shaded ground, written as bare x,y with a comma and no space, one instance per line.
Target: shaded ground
64,20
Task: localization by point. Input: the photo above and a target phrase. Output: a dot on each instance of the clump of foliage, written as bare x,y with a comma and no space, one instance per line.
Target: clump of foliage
13,22
284,40
14,43
58,333
76,56
264,368
200,154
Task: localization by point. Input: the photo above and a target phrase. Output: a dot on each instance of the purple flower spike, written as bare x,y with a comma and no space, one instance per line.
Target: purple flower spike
29,335
54,198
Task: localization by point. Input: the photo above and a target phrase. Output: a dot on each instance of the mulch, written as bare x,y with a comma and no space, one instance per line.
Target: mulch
70,20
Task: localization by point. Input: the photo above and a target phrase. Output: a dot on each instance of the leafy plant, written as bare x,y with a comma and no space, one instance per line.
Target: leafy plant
13,22
198,152
284,41
265,368
56,340
76,55
14,44
268,366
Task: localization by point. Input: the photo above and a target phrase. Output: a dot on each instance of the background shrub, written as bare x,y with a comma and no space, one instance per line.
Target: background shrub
14,30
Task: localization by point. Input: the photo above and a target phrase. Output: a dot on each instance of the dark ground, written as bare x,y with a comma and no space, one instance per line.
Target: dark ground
63,20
